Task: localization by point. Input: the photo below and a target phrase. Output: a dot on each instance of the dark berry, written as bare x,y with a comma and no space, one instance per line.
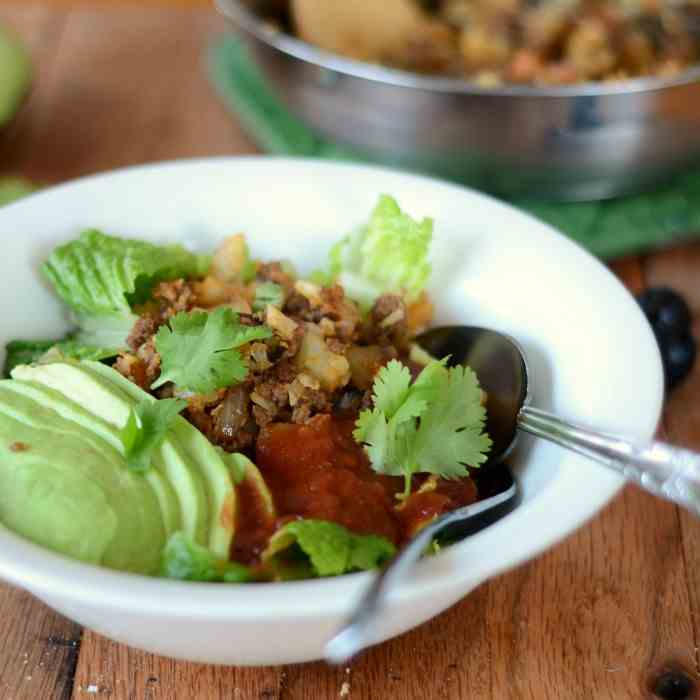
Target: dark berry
674,686
678,352
666,310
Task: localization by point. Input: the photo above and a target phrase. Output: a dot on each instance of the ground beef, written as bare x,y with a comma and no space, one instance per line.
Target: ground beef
148,354
173,297
342,311
142,331
273,272
298,307
133,368
311,403
388,307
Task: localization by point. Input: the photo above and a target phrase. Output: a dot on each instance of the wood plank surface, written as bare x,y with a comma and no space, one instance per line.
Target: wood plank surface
600,616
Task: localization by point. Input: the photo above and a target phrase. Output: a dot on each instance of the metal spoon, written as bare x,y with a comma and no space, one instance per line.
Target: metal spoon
359,631
670,472
664,470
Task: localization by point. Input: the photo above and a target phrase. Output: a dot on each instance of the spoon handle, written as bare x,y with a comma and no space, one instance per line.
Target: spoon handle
670,472
358,632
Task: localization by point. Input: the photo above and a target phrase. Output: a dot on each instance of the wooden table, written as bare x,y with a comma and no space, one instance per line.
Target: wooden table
602,616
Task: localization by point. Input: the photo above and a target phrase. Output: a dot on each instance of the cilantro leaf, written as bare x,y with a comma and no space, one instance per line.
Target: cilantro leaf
435,425
268,293
328,548
146,428
198,350
185,560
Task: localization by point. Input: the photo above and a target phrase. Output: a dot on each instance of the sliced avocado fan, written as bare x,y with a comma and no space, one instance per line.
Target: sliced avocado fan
15,74
66,484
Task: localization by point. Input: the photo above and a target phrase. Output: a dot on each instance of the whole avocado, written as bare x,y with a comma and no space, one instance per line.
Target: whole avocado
15,74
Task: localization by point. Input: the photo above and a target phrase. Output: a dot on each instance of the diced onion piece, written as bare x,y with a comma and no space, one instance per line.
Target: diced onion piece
394,317
262,401
295,391
331,370
418,355
308,381
229,258
212,291
309,290
284,325
327,327
258,356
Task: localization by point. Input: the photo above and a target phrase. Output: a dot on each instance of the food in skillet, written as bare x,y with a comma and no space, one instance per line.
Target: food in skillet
495,42
224,419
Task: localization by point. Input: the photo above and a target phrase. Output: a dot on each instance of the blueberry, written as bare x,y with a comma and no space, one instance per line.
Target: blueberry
667,311
678,352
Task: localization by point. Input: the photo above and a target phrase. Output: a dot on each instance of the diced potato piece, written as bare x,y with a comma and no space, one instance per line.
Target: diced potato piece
331,370
309,290
212,291
419,314
229,258
364,364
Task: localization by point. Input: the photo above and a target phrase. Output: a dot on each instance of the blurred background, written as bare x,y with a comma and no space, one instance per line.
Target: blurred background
584,112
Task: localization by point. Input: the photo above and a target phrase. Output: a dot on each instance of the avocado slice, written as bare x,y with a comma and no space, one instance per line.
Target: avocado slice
75,380
218,484
167,498
66,488
15,74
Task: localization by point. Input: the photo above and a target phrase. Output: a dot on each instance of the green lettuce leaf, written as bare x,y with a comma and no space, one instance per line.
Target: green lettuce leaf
100,275
27,352
198,350
327,549
145,429
435,425
186,560
388,255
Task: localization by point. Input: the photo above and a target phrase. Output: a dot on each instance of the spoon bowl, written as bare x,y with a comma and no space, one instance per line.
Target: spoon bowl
500,365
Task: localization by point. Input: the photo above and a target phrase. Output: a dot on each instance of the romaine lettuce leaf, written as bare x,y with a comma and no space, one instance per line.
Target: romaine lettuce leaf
388,255
100,275
327,549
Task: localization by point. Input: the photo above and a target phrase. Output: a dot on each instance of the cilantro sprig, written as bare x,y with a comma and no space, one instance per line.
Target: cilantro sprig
198,350
146,428
435,425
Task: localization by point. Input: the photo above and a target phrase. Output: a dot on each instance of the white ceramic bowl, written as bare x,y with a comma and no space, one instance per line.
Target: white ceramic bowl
592,355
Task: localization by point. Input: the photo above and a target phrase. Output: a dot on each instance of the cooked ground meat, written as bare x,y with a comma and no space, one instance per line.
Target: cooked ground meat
282,386
134,369
142,331
173,297
273,272
387,323
343,312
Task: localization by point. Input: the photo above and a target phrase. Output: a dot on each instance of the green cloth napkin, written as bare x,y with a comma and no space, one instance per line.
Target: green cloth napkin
608,229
